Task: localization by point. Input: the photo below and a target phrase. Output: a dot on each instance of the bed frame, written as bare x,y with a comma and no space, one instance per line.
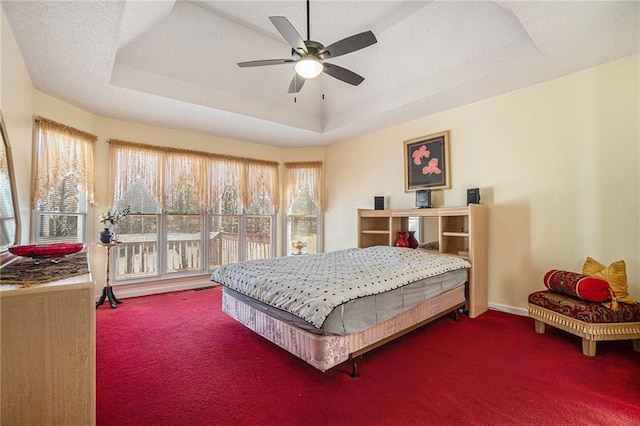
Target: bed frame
324,352
460,229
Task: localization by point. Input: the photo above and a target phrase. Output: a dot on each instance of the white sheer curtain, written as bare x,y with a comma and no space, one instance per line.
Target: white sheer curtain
224,172
184,171
133,163
261,180
165,171
303,176
61,151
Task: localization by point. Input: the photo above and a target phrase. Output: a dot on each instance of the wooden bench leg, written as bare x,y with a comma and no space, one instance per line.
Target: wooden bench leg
636,345
588,347
539,325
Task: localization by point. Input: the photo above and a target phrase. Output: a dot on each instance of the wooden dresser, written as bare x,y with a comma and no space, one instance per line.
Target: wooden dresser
48,353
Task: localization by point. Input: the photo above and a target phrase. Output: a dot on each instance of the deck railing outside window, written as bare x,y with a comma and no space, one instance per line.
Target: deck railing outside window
137,255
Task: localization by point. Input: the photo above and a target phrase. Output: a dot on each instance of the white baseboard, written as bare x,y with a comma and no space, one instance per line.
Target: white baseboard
123,291
509,309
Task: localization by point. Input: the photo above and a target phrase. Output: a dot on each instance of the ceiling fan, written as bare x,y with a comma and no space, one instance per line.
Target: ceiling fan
309,55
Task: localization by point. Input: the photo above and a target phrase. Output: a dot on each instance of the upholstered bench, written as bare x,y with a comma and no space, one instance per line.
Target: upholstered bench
590,320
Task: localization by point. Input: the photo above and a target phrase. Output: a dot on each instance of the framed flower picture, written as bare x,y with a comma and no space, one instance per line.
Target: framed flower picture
426,162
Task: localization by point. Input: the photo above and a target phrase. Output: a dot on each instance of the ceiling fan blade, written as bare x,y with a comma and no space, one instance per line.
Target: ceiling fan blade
296,84
349,44
264,62
342,74
289,33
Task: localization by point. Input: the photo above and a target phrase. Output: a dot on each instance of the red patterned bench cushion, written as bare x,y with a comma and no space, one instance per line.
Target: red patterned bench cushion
591,312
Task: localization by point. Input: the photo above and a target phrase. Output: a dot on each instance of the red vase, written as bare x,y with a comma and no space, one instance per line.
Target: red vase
413,243
401,241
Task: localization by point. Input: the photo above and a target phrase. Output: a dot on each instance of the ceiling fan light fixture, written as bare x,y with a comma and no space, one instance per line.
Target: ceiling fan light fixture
308,67
309,55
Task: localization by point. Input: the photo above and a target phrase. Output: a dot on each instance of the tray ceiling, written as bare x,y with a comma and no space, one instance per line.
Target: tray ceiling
173,63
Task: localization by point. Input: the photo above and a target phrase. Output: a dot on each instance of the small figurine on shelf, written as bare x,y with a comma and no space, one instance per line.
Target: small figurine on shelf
110,219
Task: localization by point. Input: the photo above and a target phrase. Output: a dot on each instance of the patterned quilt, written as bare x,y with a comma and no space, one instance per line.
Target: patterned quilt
310,286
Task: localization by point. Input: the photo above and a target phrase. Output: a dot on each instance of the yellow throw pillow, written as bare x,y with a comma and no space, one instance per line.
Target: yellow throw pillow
615,274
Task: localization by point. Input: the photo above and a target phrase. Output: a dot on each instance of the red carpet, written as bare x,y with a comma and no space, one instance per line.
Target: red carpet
176,359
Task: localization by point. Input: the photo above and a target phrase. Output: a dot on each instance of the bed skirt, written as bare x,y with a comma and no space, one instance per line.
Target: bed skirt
326,351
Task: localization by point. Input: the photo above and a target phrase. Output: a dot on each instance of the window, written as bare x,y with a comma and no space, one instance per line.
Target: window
63,182
261,199
303,186
138,185
185,189
225,211
187,212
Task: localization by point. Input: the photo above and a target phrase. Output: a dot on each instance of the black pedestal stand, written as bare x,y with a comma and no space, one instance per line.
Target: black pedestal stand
107,291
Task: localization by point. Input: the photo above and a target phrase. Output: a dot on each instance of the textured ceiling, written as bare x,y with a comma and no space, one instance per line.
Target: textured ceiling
173,63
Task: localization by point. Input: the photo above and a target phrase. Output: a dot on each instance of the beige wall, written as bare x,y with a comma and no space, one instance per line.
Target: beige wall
557,164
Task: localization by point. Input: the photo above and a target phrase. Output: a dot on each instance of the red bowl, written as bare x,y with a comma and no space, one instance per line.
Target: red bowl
41,251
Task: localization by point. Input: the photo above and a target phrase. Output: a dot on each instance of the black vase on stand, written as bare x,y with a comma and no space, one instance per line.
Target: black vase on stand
105,236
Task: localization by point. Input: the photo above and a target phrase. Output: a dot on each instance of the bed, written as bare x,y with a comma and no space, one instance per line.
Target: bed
328,308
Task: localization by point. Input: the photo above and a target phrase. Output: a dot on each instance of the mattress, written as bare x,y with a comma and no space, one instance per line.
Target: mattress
313,287
362,313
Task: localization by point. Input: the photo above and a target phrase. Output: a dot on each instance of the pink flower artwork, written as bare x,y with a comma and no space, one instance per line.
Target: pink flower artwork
426,162
431,167
420,153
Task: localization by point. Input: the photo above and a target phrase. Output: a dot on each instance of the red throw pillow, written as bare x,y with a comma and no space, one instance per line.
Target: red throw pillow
592,289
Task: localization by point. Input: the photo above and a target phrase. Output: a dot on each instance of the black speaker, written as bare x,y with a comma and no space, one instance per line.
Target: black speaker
378,203
423,198
473,196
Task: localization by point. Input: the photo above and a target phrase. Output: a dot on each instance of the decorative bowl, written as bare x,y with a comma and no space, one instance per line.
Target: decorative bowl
46,251
299,245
